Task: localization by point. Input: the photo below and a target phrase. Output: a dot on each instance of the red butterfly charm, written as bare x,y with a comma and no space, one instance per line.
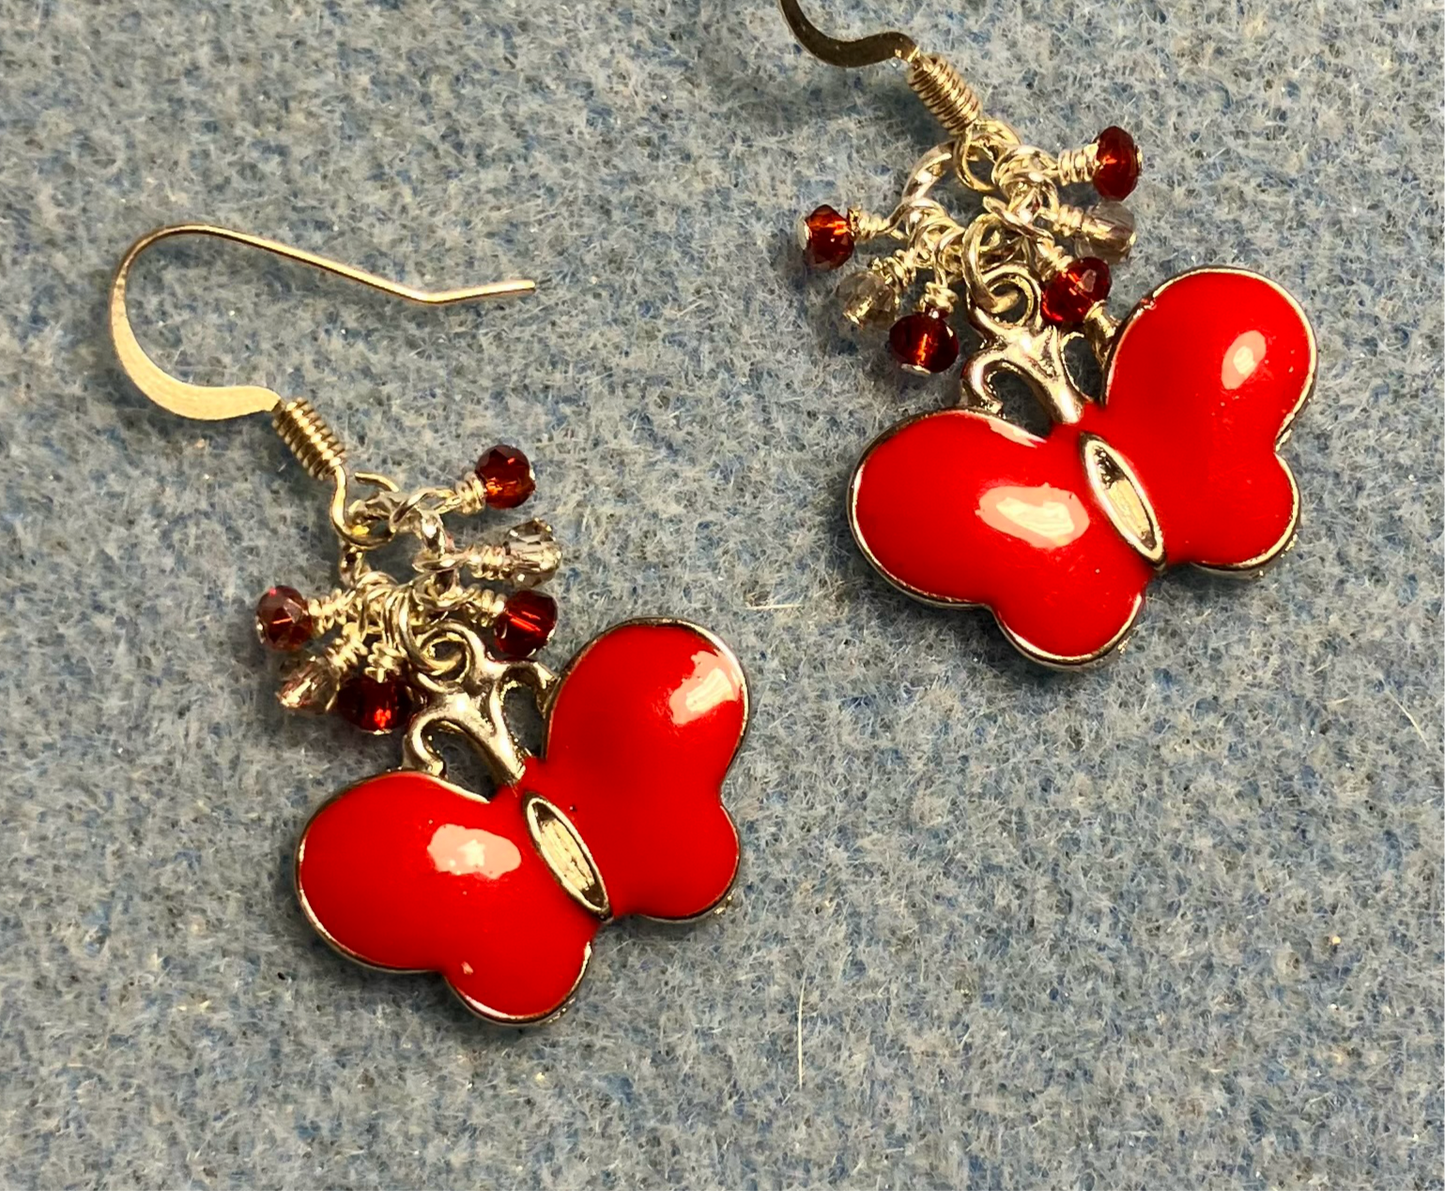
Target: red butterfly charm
1176,463
620,814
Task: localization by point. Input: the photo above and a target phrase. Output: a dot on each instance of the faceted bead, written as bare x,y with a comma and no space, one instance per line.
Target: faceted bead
826,238
1118,242
1076,290
506,475
867,299
923,342
374,706
533,555
311,686
1119,163
526,621
282,619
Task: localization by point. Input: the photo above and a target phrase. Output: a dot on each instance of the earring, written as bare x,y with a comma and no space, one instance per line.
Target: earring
1174,460
620,812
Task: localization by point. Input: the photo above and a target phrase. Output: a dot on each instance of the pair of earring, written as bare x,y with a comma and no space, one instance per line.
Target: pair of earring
1174,459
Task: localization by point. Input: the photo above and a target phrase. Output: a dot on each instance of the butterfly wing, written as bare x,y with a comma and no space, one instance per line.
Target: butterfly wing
407,872
640,734
959,507
1205,378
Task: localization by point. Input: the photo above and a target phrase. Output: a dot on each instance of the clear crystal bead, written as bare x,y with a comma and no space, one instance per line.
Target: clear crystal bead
311,686
868,300
1115,243
533,553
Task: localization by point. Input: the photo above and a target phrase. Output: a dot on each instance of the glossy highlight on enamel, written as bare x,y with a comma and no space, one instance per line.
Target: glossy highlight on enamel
408,872
1045,517
1206,375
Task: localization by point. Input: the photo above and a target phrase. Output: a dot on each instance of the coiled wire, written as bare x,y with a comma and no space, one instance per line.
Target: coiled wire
310,439
944,92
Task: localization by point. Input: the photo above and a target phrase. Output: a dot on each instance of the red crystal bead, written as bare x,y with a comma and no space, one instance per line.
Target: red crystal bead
1076,290
374,706
923,342
506,475
826,238
282,619
526,621
1119,164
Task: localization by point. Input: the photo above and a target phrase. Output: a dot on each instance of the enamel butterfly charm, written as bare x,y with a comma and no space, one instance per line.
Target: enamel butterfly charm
1173,460
621,813
1177,462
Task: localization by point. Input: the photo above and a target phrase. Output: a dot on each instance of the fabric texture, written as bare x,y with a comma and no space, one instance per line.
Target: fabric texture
1175,921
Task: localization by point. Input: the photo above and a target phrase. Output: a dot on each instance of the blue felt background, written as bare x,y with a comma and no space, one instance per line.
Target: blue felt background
1175,922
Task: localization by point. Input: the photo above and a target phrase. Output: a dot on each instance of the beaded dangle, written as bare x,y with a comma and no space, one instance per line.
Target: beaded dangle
1172,460
620,811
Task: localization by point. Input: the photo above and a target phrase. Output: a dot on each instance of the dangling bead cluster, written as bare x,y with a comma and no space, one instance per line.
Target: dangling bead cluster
1010,267
358,650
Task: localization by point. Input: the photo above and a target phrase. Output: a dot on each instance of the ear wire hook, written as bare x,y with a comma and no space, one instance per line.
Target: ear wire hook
217,402
941,88
864,51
